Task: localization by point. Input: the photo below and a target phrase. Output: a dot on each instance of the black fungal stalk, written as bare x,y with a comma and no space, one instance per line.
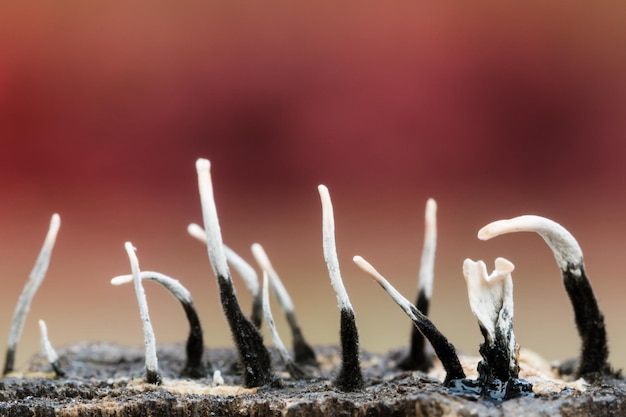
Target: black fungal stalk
419,357
593,362
35,279
304,353
444,350
253,355
194,367
350,377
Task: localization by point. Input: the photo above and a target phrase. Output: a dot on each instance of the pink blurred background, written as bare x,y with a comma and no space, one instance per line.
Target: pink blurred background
494,110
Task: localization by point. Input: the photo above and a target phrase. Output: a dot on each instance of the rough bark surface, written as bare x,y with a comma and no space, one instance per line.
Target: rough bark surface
106,380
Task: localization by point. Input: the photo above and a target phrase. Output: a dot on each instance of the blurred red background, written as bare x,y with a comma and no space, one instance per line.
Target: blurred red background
493,110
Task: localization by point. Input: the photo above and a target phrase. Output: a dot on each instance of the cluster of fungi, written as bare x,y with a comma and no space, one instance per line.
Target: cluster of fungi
490,299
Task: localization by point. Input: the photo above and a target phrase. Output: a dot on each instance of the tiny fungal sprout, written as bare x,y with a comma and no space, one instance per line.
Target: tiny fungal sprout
48,350
589,319
303,352
35,279
253,355
294,370
445,350
491,301
194,368
152,366
419,358
243,268
350,377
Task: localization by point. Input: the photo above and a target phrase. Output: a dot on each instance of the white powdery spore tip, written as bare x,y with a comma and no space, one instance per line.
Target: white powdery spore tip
46,346
277,285
427,265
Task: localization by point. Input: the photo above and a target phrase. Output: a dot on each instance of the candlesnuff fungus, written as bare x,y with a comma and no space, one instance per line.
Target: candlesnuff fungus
194,368
445,350
253,355
152,364
350,377
569,257
419,358
48,350
491,301
30,288
304,354
294,370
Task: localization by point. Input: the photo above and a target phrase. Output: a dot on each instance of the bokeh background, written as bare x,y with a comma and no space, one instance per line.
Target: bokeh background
494,110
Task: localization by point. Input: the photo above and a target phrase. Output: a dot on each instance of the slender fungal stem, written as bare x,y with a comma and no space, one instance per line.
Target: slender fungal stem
350,377
152,365
569,257
194,368
243,268
419,358
303,351
48,350
35,279
443,348
294,370
253,355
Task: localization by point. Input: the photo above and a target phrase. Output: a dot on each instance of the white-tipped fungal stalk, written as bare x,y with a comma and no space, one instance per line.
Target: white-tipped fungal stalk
293,369
419,357
491,301
152,365
35,279
443,348
194,367
253,355
48,350
243,268
303,352
593,361
350,377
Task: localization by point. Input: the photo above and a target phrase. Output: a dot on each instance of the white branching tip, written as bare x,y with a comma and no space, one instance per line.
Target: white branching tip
330,249
427,266
280,346
173,285
152,367
48,350
489,293
215,245
243,268
277,285
35,279
566,250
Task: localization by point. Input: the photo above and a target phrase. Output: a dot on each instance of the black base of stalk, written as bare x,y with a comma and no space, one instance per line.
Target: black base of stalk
418,359
9,362
153,377
194,367
253,355
303,352
256,317
350,377
590,323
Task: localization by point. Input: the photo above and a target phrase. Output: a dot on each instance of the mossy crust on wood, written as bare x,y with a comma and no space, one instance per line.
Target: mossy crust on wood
105,380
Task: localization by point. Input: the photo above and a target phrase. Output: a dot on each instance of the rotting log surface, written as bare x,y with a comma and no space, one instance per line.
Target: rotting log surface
104,380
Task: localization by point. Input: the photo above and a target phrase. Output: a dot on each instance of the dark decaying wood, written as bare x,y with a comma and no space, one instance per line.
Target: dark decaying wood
106,380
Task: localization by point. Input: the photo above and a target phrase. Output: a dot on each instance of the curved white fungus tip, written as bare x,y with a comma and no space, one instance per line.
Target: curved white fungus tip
217,378
277,285
245,270
330,249
171,284
215,245
196,231
564,246
427,265
398,298
46,346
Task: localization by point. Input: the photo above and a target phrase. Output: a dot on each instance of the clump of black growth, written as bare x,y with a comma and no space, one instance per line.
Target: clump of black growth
194,367
254,357
350,377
